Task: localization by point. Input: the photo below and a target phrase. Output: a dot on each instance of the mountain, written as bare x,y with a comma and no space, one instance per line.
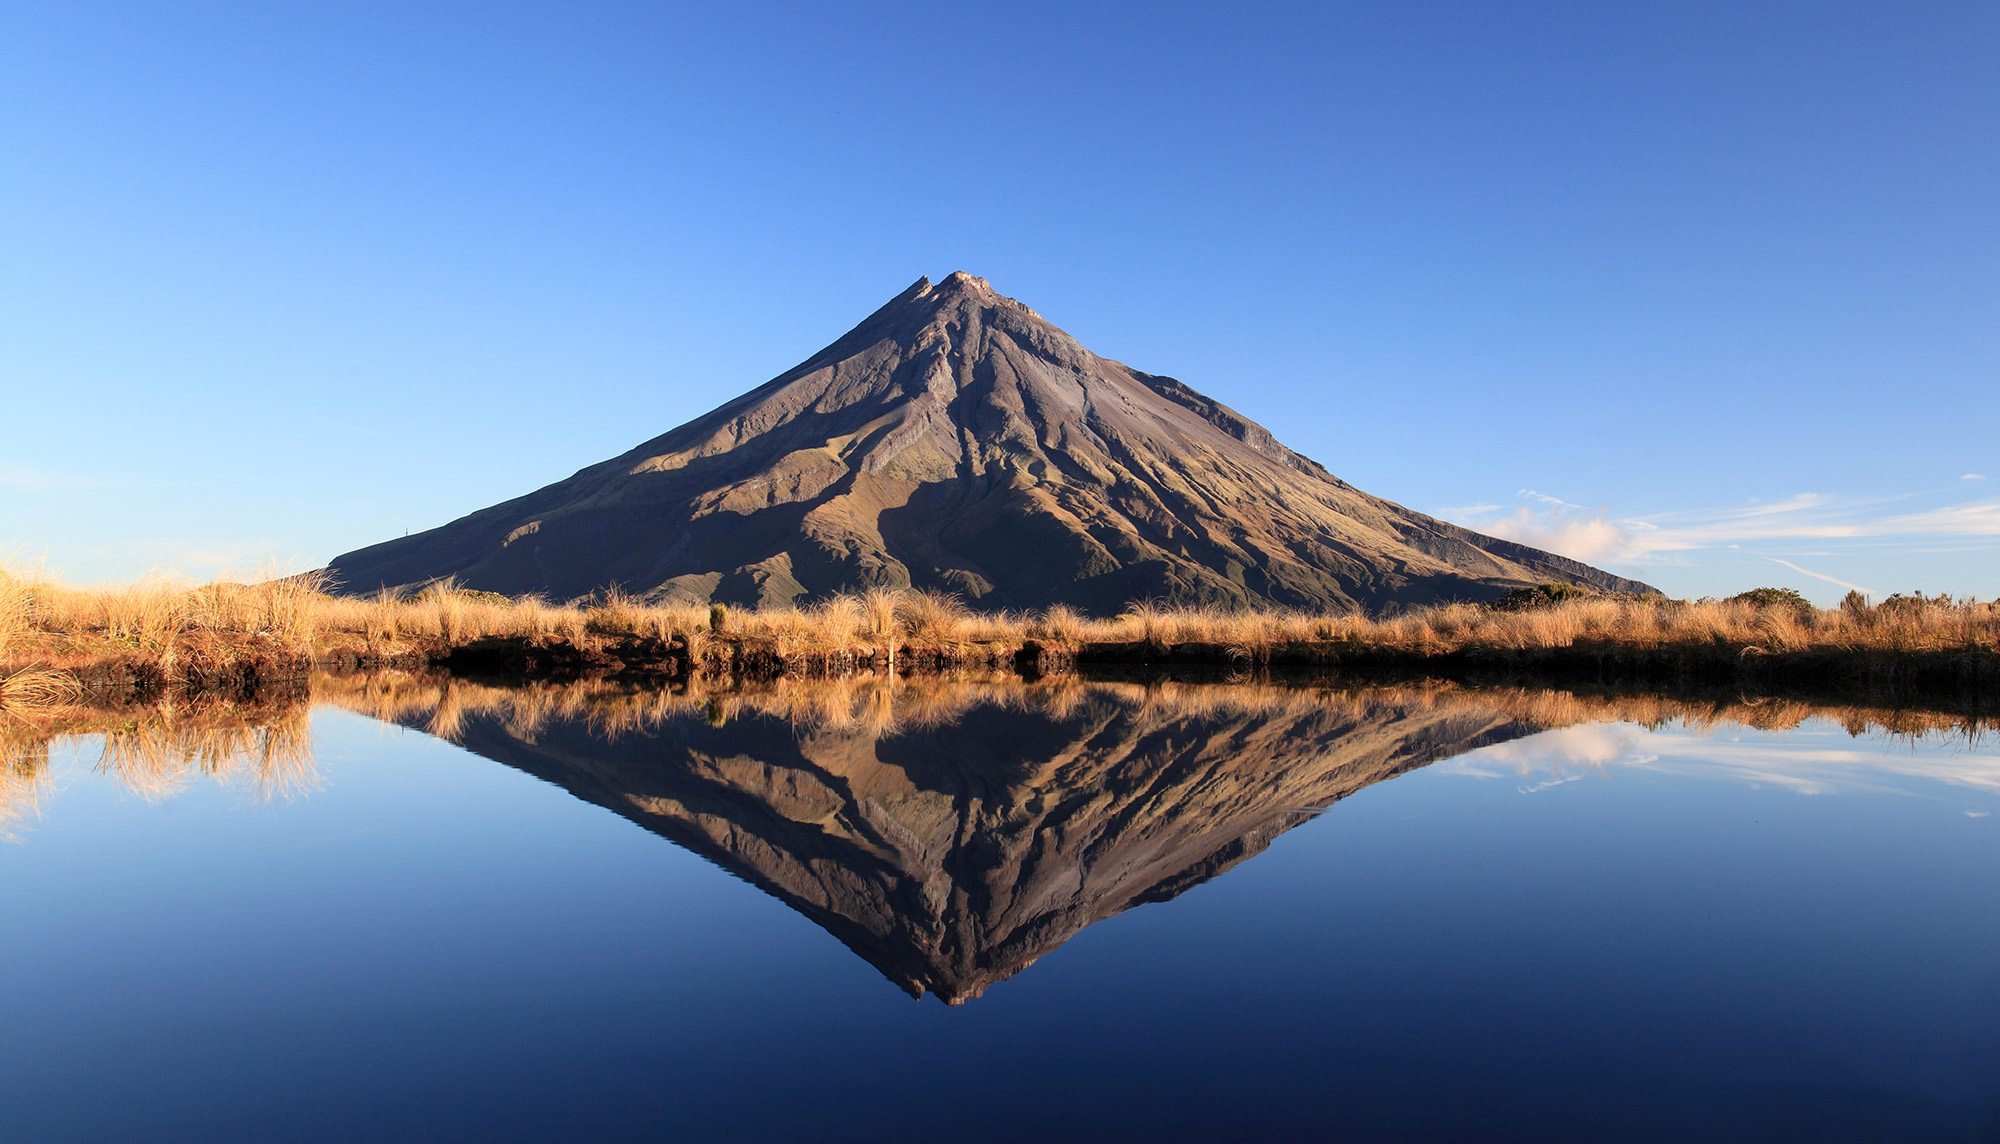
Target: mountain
953,834
955,440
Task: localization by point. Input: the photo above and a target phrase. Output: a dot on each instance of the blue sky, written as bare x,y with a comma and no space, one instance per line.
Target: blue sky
1707,294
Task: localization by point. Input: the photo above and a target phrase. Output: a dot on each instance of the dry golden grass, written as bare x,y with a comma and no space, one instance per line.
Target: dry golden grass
169,624
1639,623
159,618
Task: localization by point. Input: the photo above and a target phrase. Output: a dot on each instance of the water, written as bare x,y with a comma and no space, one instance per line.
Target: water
1196,912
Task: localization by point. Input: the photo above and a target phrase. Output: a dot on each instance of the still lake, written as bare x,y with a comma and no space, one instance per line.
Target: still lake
430,909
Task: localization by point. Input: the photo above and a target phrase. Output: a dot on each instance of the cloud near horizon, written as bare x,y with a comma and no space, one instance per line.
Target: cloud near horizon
1582,534
1597,536
190,558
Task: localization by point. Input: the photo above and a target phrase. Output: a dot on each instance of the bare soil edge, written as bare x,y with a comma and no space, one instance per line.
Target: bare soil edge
1960,680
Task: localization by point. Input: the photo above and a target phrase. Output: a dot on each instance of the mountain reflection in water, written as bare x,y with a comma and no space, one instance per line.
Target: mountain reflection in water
948,831
950,834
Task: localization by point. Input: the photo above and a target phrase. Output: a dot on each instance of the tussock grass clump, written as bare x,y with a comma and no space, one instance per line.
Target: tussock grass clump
878,618
161,616
933,617
615,612
17,604
1059,624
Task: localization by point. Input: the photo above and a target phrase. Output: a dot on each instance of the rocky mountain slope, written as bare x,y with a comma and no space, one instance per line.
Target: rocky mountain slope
955,440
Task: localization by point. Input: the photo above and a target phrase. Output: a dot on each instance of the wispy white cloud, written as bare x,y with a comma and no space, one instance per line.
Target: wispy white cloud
1596,535
1546,499
1973,477
1834,580
1981,518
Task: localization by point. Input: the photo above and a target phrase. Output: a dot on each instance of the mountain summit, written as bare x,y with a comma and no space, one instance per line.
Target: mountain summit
955,440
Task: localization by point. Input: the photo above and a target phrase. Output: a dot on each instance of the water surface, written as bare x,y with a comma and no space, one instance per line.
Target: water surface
436,909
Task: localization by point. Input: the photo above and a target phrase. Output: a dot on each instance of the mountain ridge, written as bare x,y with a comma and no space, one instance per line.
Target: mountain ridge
956,440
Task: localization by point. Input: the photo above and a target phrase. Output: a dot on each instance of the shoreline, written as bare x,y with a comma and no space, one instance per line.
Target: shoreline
1964,681
162,638
211,721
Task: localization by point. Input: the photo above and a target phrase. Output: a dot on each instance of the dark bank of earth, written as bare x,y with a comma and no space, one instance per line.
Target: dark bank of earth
1965,680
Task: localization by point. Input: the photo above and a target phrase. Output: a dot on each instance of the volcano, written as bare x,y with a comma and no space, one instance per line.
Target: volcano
957,441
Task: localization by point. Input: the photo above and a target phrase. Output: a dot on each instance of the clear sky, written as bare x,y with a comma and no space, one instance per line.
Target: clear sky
1707,294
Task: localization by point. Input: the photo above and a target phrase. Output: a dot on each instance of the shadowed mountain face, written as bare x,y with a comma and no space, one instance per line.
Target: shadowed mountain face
952,836
956,441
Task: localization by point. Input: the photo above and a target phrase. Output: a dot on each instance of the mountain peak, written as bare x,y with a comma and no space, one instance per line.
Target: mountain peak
963,288
955,440
961,281
980,290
